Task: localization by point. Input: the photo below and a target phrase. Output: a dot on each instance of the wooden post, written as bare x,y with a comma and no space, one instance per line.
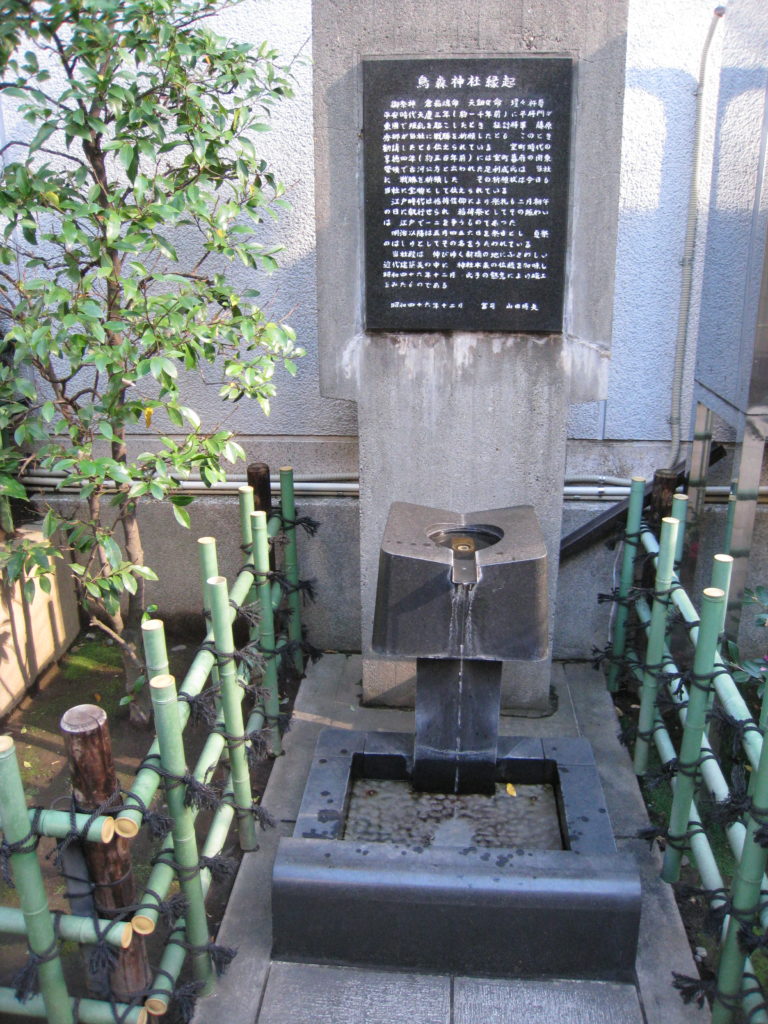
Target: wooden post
664,484
258,479
94,783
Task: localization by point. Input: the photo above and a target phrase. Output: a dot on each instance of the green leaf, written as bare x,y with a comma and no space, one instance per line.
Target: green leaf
145,572
11,487
182,516
112,551
114,224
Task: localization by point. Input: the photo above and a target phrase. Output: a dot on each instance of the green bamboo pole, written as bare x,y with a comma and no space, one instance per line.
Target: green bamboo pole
680,513
89,1011
711,879
701,849
722,568
164,702
720,579
73,928
711,773
631,545
209,566
231,704
155,650
58,825
727,691
654,656
274,526
174,954
266,629
745,899
291,564
245,494
28,880
162,875
128,820
246,532
690,746
729,518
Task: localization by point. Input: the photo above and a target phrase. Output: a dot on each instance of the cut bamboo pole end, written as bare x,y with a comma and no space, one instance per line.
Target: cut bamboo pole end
126,828
162,682
156,1005
151,625
6,744
142,925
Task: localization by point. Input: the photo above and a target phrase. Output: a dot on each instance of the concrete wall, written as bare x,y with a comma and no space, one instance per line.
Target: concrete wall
34,634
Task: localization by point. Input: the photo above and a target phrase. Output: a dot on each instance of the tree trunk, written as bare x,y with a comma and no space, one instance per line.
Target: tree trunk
141,706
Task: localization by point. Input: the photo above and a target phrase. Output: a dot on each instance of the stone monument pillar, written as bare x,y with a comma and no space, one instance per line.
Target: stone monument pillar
460,319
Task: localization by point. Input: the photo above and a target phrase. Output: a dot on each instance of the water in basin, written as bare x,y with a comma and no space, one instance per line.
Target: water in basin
387,811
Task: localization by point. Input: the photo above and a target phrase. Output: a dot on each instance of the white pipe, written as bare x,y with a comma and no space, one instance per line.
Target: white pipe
689,246
604,488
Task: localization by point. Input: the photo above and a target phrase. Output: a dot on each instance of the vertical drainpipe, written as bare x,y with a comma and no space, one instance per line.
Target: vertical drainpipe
684,308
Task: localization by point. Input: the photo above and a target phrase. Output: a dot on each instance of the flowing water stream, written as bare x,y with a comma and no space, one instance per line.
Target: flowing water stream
460,635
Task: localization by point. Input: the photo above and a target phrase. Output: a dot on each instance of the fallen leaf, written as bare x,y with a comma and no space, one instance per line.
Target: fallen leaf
511,789
97,697
26,764
23,729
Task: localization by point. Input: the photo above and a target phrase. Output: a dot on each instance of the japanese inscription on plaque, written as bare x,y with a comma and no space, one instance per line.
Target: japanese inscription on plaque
466,187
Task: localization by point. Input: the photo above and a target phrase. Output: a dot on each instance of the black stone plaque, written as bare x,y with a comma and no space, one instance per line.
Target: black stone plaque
466,193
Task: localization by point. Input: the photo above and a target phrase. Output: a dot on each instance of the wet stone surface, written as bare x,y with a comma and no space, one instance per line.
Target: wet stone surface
385,811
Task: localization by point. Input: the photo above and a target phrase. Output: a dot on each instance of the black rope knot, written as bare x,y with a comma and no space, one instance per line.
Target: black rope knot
158,823
263,817
737,803
309,525
697,990
199,795
760,815
666,773
221,957
173,908
26,845
221,868
652,833
739,726
103,958
751,940
184,998
26,982
202,706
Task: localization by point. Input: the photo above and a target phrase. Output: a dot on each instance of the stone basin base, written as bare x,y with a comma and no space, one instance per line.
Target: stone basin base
508,911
